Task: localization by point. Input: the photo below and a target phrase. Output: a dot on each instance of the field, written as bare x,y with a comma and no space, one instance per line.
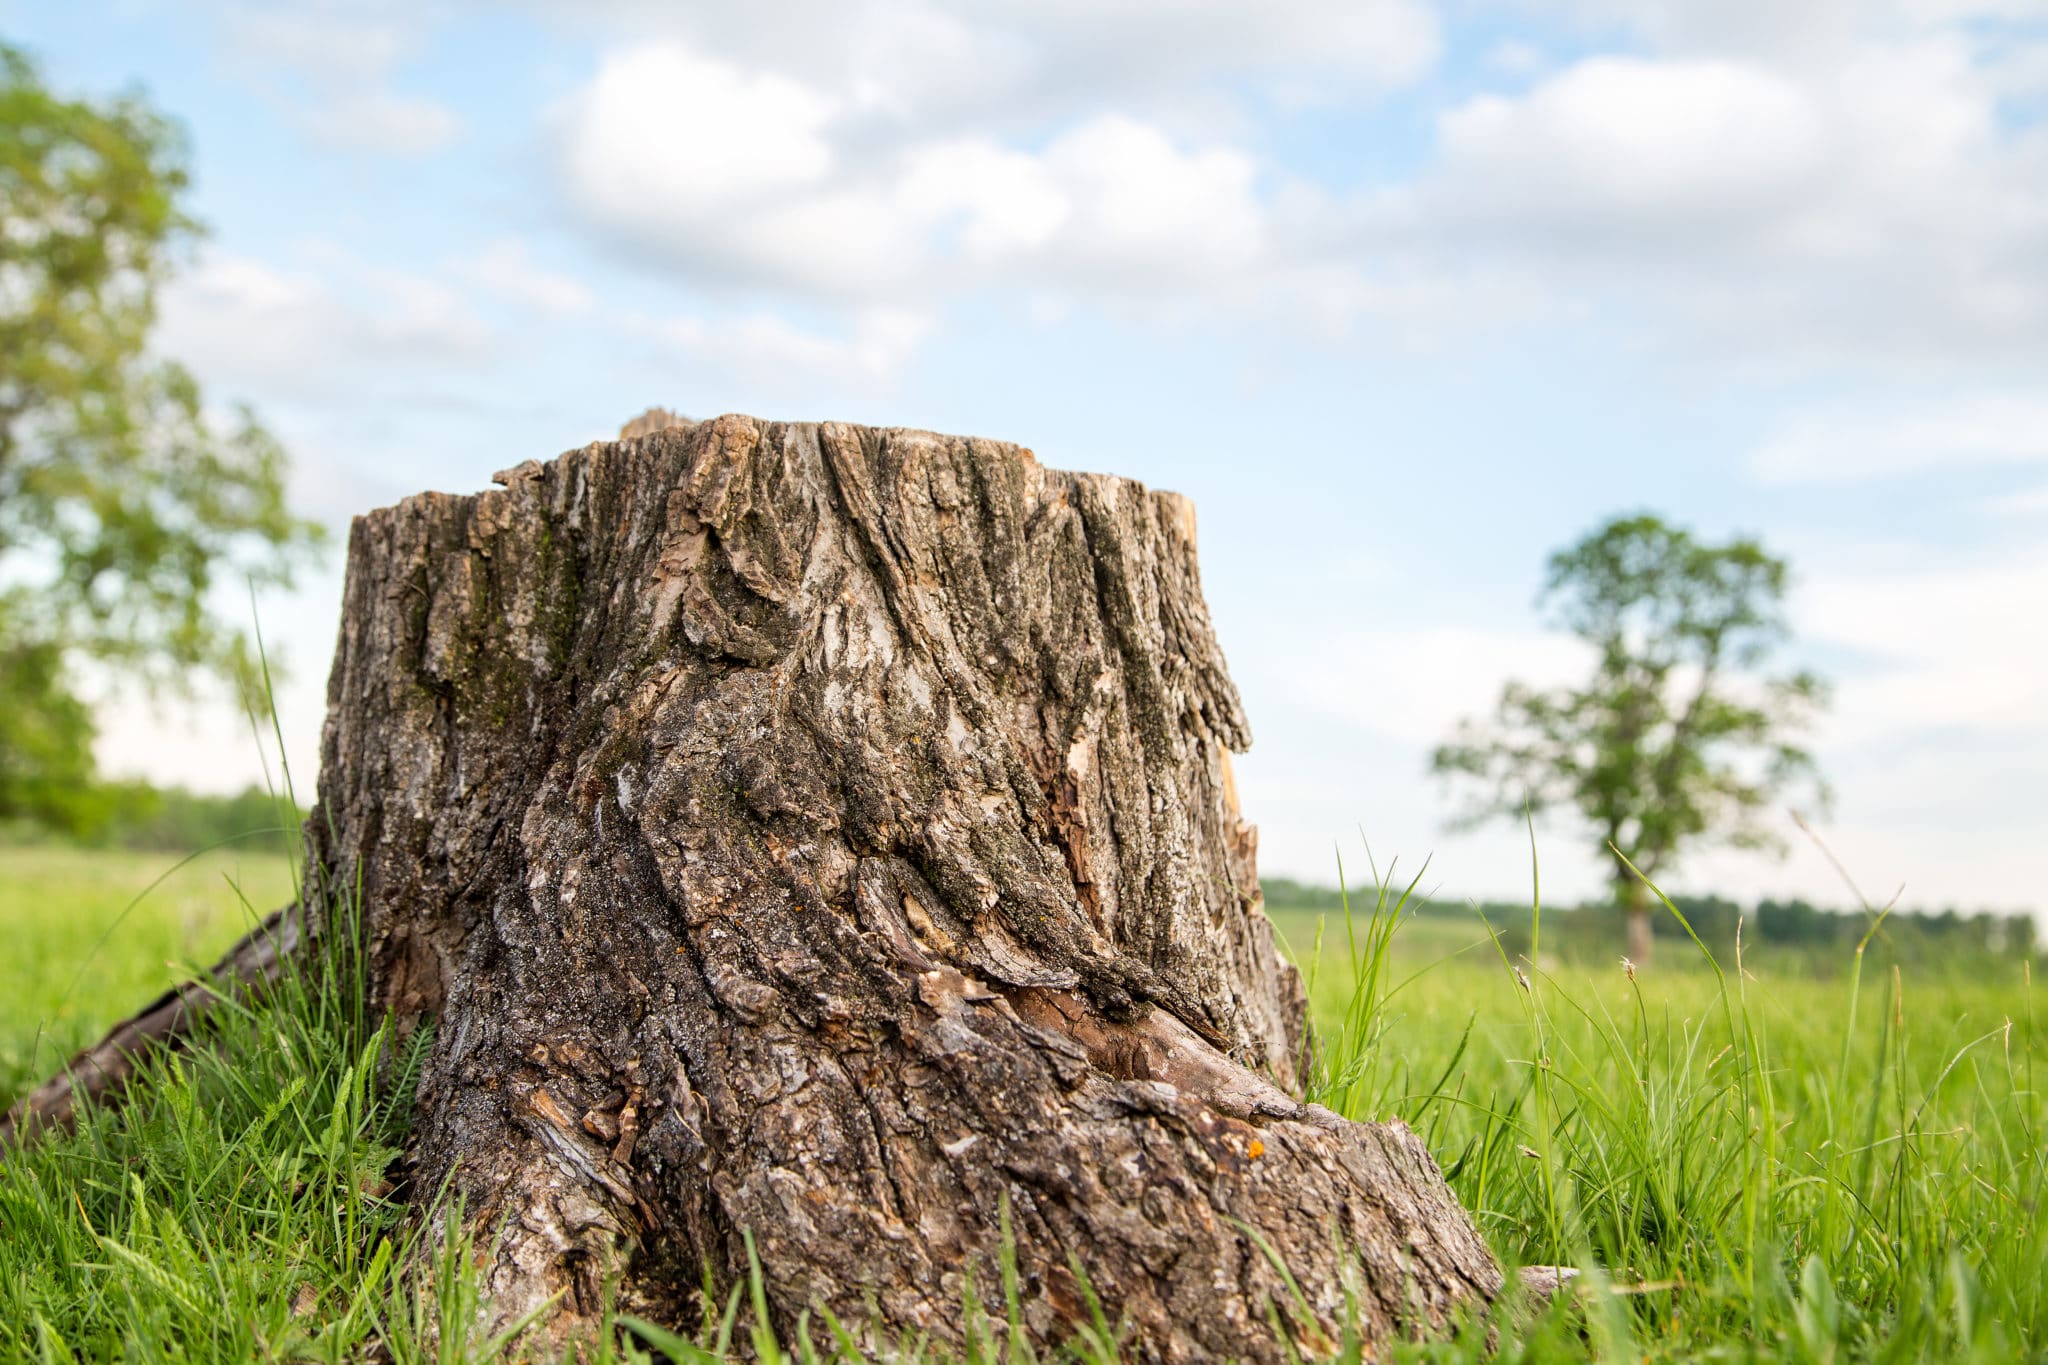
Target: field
1753,1164
1761,1164
71,963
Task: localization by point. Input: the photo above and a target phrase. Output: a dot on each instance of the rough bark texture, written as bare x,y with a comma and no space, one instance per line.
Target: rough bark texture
828,832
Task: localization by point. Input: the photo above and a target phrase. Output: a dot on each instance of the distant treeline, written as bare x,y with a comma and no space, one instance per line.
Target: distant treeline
1594,930
139,815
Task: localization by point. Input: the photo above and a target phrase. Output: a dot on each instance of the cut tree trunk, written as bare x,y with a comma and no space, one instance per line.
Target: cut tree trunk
826,834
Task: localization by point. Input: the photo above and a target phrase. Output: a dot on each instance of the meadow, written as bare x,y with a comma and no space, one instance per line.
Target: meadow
88,935
1748,1163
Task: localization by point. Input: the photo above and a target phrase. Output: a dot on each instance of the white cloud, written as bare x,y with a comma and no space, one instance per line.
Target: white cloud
506,268
1819,187
1811,30
667,120
383,121
1953,647
1415,683
1879,439
1833,194
248,325
1621,145
355,46
764,348
725,173
1007,203
1138,204
1025,60
2029,502
1514,57
336,62
1385,42
1115,204
734,177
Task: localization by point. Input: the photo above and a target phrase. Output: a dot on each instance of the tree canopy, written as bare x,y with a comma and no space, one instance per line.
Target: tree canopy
1681,734
124,502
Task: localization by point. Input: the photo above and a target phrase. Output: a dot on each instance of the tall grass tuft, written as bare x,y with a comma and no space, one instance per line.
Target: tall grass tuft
1742,1164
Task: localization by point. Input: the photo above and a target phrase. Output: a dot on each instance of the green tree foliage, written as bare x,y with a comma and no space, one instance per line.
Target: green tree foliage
138,815
122,502
1681,734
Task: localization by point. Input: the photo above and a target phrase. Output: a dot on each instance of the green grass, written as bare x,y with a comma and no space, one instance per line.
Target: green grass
74,963
1749,1165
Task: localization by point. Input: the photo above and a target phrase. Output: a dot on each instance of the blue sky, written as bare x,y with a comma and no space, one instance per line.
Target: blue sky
1404,295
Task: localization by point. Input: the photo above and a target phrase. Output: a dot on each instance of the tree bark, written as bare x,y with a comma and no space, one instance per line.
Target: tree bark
828,833
1635,916
1641,938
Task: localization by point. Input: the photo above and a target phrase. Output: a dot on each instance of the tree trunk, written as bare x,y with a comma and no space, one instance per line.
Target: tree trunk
1640,937
828,833
1635,911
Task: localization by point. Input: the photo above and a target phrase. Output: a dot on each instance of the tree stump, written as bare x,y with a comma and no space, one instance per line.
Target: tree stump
827,833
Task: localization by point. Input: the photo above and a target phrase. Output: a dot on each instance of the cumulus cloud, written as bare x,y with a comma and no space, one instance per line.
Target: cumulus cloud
1622,149
1114,205
1832,182
733,176
725,173
666,119
1817,186
1776,184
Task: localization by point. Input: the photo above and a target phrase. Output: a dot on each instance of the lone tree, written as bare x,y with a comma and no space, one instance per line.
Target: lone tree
121,502
1681,736
825,835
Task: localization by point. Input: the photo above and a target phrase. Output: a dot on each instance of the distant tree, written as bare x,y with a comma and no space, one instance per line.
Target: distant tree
1679,736
122,502
173,820
2021,932
1713,918
1797,921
